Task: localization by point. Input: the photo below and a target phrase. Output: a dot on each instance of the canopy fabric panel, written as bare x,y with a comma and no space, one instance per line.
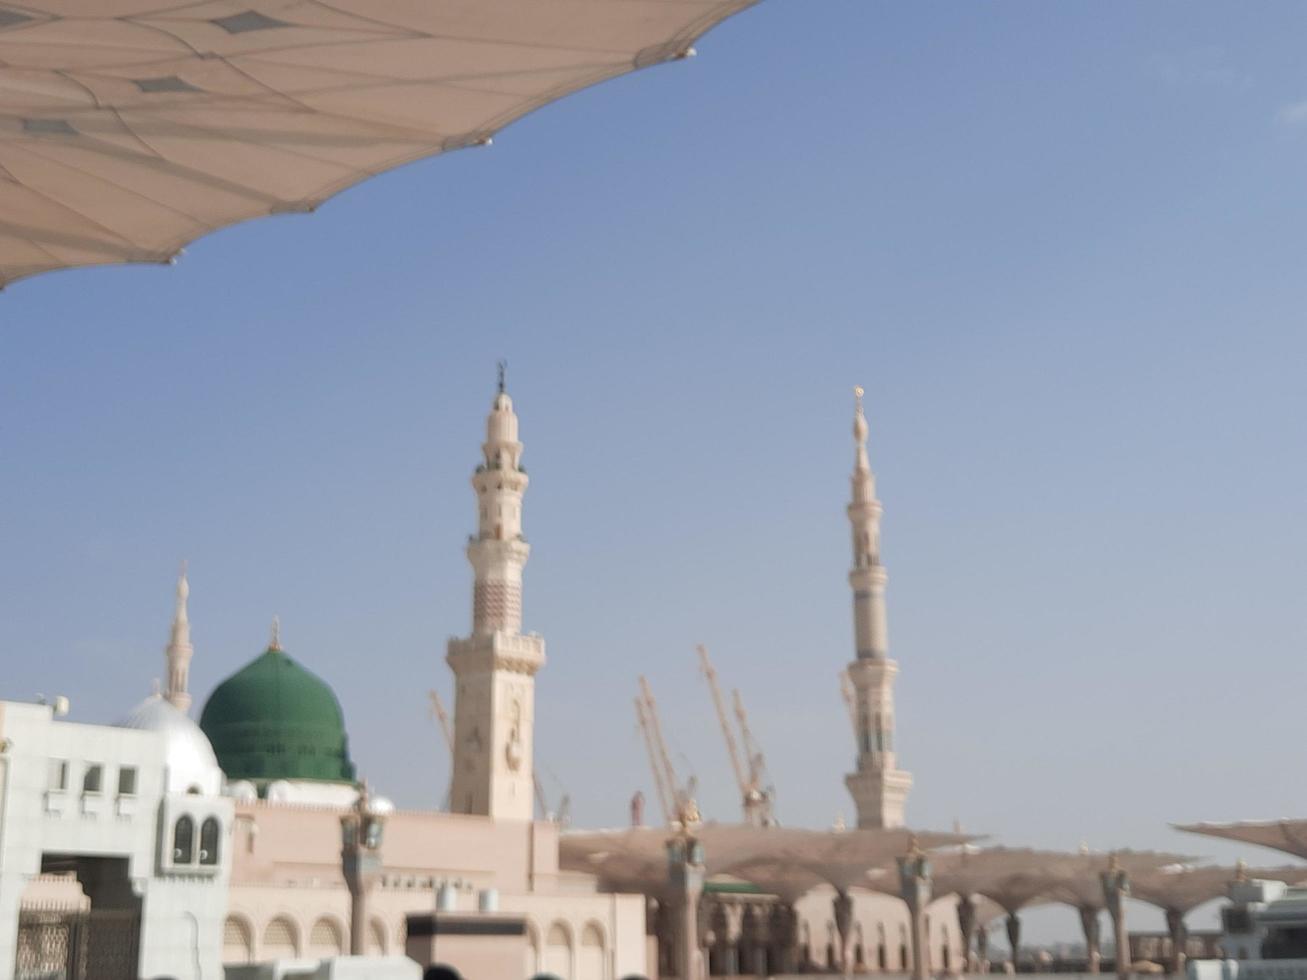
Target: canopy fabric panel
1289,836
130,127
771,857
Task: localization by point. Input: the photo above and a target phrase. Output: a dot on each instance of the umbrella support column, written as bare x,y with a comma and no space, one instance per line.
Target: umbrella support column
1116,888
686,872
1179,939
967,930
1014,937
843,908
915,889
1090,923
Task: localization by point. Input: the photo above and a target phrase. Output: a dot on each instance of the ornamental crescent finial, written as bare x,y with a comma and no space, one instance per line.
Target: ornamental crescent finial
274,642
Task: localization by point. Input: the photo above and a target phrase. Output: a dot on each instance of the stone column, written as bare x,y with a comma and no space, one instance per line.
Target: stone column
1179,938
1116,888
967,930
982,950
915,889
1014,937
686,874
843,908
1090,923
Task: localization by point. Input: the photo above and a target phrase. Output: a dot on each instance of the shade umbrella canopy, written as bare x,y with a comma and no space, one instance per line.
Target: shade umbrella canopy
1079,878
1184,888
131,127
1289,836
635,859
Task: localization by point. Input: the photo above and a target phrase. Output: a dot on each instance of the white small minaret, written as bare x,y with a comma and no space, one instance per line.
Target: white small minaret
495,667
879,788
178,653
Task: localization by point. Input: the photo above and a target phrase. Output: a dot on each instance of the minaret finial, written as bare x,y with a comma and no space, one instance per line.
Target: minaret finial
274,642
178,654
503,375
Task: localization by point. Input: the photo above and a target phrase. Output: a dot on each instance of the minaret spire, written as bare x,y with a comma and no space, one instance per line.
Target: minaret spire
495,666
879,787
274,638
178,653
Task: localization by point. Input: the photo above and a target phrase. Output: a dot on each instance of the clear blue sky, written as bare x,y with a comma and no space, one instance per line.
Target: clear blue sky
1062,245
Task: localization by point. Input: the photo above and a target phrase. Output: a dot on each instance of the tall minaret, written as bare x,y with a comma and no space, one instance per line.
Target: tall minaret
495,667
178,654
879,788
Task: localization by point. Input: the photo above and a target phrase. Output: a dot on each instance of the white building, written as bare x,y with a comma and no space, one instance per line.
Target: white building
113,846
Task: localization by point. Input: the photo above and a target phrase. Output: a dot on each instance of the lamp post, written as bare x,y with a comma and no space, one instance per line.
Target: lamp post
915,889
361,830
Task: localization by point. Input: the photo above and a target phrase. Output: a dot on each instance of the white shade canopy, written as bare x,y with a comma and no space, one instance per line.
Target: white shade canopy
130,127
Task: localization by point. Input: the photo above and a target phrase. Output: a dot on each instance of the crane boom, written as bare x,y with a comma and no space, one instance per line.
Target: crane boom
758,795
732,749
442,716
678,795
642,717
438,710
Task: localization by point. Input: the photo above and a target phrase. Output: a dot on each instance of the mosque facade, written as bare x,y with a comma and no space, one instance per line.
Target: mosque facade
236,820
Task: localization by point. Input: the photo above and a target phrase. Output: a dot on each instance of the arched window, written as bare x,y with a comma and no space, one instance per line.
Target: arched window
237,941
209,840
280,940
558,950
326,939
592,957
183,841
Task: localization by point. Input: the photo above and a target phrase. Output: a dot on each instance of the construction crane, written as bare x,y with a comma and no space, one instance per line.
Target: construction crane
442,716
563,813
750,795
759,796
850,700
646,729
682,807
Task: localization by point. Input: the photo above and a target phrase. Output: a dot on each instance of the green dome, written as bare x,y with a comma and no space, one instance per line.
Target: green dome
273,719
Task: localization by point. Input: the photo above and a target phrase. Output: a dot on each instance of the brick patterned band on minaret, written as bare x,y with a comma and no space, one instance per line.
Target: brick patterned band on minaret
496,606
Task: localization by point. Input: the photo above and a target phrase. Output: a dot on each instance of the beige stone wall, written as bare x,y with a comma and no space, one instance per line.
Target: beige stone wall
287,888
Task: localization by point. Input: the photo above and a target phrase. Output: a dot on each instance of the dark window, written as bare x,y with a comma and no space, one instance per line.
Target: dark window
127,781
209,840
183,841
93,778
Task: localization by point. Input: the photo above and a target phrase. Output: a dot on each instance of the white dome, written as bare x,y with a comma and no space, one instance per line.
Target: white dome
192,766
